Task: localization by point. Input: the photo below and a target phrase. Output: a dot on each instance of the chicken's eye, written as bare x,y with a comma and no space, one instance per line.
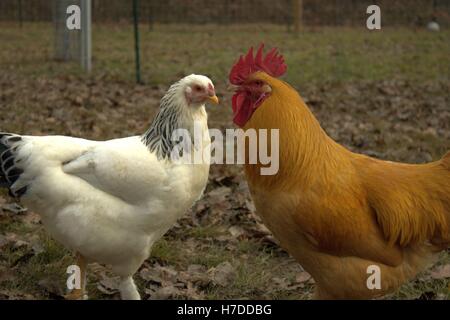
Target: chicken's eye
198,88
259,83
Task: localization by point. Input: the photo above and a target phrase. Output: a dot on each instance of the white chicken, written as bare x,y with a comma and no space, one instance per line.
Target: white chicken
110,201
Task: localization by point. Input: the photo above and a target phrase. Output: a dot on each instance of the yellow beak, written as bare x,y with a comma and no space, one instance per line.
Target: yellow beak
213,99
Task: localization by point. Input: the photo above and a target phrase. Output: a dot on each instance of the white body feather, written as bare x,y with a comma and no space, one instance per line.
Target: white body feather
110,200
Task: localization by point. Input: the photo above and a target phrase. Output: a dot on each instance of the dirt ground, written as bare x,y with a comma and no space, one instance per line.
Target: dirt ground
220,249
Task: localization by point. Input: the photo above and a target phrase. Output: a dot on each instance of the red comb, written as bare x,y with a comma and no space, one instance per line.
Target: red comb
273,64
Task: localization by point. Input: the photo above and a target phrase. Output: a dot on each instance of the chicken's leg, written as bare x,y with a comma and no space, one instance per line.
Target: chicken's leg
79,294
128,290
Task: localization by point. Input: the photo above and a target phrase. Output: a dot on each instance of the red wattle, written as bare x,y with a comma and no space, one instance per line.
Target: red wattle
242,109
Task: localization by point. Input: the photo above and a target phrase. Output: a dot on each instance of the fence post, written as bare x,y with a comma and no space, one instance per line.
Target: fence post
86,35
136,41
66,41
20,13
298,15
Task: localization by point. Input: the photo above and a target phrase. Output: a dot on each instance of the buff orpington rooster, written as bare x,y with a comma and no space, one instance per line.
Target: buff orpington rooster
337,212
110,201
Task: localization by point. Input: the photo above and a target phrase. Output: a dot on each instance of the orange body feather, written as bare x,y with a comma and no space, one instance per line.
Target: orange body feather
338,212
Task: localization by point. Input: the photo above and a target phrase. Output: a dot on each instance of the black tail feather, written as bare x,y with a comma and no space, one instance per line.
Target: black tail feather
9,171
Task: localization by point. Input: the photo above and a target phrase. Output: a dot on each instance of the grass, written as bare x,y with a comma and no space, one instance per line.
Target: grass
30,269
326,54
315,57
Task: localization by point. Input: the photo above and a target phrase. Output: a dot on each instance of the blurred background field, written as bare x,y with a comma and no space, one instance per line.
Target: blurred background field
168,51
384,93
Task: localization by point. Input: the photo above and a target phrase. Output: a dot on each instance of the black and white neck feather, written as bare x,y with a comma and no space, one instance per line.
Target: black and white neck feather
174,113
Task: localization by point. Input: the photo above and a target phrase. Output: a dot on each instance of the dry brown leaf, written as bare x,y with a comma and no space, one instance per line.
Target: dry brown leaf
52,286
165,293
223,274
236,231
108,286
441,272
302,277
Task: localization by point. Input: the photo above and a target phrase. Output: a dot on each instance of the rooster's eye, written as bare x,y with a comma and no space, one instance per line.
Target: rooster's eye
198,88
